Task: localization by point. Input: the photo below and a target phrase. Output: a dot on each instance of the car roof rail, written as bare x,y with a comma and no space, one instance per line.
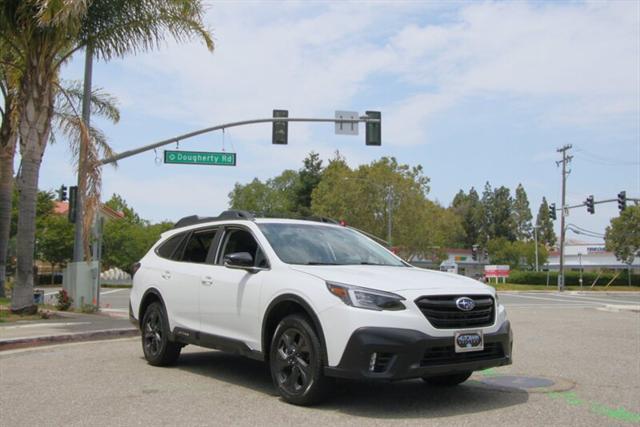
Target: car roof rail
236,214
193,219
320,219
228,214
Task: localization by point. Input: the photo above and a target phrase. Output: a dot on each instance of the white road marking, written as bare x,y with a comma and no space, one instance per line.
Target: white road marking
558,300
598,299
112,291
38,325
542,305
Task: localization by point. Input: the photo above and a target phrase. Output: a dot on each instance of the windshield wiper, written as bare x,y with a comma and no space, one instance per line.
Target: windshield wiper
320,263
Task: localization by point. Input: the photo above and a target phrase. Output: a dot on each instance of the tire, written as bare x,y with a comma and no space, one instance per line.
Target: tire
447,380
296,361
157,348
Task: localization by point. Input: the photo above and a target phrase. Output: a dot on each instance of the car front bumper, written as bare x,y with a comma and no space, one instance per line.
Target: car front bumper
406,353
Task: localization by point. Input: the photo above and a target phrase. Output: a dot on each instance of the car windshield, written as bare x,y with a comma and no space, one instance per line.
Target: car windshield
310,244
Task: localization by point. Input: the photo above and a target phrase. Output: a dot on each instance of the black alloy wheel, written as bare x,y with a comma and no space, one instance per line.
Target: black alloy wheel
296,362
157,348
292,361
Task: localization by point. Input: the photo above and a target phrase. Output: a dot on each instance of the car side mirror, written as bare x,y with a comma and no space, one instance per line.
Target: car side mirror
241,261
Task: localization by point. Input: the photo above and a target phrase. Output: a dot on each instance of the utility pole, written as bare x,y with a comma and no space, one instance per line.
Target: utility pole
565,172
389,213
78,248
535,235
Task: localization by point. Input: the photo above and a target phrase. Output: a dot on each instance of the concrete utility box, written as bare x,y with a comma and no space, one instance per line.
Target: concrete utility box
79,281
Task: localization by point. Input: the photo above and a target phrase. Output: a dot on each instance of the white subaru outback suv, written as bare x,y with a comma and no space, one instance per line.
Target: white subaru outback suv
316,301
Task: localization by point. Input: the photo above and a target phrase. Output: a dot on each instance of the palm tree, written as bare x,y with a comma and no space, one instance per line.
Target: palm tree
46,33
67,122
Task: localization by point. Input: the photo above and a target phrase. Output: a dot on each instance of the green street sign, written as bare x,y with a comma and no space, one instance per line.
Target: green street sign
199,158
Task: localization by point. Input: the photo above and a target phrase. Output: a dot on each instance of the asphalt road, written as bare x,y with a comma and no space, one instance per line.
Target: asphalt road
583,355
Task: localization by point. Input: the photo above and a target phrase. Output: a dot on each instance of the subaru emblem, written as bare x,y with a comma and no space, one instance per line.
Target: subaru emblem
465,304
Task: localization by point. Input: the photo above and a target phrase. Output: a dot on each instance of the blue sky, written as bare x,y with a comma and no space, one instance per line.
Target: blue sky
472,91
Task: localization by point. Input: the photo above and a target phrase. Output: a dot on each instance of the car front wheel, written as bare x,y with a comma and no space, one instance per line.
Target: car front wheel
296,362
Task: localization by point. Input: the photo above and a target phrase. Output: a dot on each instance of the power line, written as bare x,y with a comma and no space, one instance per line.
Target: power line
603,160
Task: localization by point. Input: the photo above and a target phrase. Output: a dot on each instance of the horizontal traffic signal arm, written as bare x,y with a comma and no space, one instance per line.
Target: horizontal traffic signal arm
133,152
598,202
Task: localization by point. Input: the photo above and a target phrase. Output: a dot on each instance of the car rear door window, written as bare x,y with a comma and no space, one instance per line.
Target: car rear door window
198,246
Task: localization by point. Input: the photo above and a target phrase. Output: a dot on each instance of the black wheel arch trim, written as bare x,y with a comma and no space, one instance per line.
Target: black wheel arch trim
308,310
151,291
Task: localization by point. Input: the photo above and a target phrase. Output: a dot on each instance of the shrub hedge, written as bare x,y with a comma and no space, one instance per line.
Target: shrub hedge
571,278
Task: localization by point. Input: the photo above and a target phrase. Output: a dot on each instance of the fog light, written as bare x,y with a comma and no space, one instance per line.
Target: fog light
372,362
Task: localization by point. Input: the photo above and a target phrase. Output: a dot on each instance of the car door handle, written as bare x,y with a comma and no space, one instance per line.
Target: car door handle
166,275
207,281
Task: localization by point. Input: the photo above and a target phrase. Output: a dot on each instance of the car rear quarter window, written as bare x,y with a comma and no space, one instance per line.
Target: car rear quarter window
168,248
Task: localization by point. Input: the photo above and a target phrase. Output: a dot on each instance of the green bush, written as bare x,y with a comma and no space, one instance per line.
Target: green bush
571,278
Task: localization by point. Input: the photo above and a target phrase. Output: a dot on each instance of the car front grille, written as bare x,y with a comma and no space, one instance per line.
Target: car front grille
443,313
447,355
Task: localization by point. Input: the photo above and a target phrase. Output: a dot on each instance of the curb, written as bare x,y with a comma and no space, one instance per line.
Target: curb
103,334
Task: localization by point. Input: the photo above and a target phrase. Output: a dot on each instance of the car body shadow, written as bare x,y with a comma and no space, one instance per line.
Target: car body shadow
382,400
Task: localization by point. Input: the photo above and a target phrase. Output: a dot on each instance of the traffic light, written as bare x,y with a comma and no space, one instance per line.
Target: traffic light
590,205
474,252
280,130
73,197
552,211
373,130
622,200
62,193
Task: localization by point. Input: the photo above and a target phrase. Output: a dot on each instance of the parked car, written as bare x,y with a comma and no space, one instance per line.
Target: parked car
316,301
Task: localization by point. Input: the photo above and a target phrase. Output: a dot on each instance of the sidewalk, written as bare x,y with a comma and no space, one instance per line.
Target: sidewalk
70,327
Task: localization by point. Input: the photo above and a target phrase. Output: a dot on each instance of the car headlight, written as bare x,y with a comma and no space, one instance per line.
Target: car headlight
371,299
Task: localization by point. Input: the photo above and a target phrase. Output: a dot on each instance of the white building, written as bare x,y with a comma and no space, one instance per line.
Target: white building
589,257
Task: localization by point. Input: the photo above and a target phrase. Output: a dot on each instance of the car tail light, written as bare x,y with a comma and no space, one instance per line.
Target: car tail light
135,267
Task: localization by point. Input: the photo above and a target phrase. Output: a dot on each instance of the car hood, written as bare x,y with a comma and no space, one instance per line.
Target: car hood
395,279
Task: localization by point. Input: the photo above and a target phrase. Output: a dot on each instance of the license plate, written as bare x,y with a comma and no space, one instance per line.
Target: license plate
468,341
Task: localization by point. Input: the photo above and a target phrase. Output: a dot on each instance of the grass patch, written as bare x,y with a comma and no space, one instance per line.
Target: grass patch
554,287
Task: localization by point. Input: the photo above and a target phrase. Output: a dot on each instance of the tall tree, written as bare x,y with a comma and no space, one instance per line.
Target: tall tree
521,214
501,217
276,196
622,237
55,241
361,198
66,122
546,235
469,209
309,177
126,240
45,34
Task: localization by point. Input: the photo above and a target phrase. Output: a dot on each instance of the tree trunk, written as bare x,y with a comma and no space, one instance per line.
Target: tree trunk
7,152
8,138
34,127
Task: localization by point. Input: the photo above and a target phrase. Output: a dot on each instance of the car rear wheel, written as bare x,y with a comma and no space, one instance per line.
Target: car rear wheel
296,362
157,348
447,380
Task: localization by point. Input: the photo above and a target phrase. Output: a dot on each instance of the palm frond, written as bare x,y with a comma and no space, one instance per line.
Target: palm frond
70,96
119,27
